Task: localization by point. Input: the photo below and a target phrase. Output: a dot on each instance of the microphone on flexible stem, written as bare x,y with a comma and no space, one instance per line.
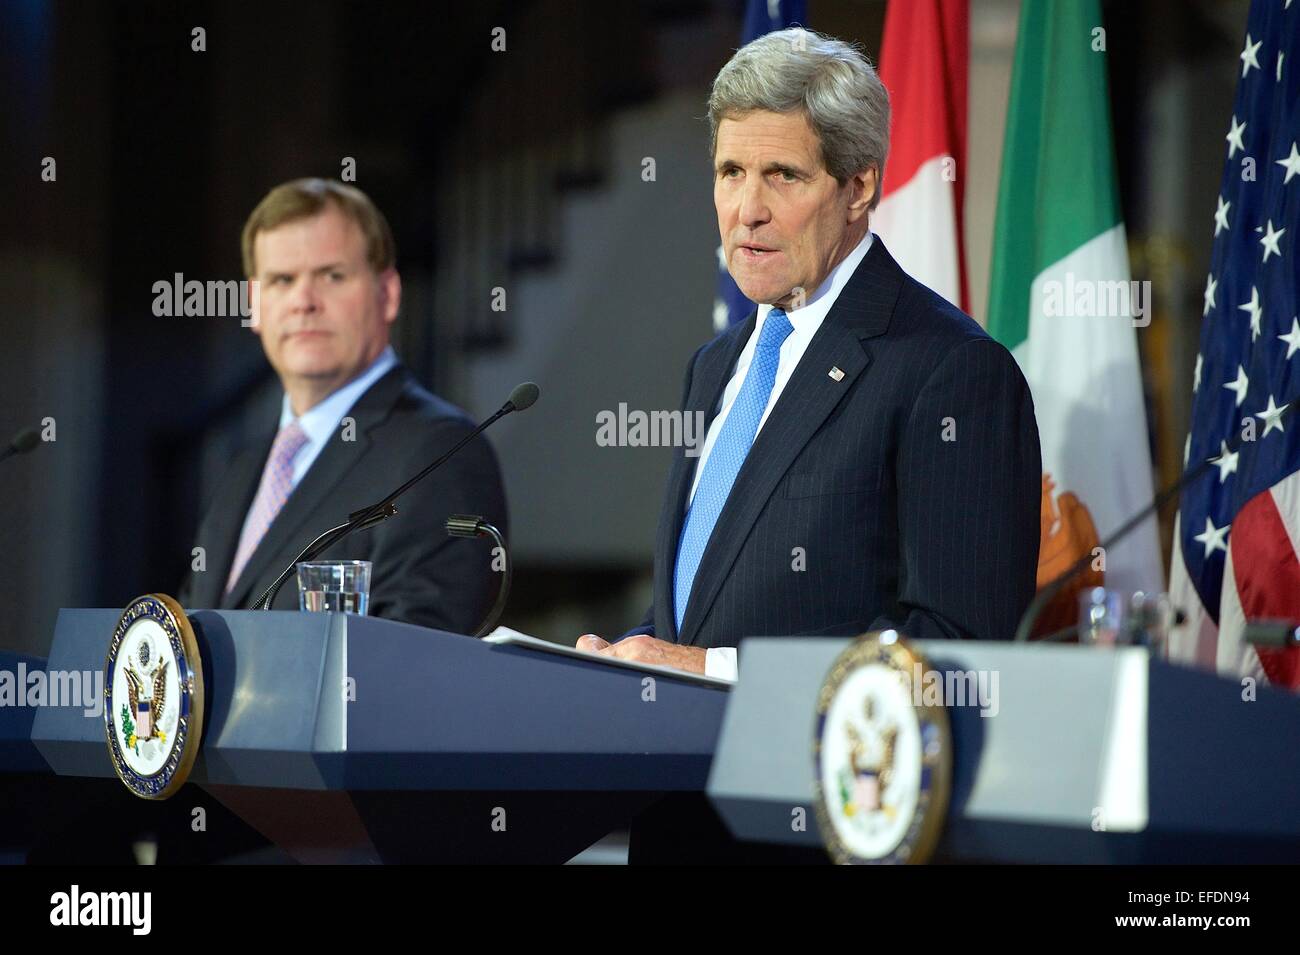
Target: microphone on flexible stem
522,397
471,525
1273,634
1054,587
331,536
24,441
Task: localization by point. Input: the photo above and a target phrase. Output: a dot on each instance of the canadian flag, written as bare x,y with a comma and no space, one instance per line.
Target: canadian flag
924,63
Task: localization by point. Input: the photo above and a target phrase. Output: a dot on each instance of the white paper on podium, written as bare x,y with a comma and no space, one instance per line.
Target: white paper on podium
505,637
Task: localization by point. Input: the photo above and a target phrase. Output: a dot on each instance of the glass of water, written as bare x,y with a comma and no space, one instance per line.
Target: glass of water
334,586
1118,618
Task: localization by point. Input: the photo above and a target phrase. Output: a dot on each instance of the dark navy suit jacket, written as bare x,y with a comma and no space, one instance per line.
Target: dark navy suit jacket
907,491
419,574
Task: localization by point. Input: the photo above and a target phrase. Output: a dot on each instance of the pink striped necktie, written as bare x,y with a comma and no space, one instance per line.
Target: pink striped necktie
276,486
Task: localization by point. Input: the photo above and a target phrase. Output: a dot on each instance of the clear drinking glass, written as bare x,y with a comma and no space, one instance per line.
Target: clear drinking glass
334,586
1101,617
1118,618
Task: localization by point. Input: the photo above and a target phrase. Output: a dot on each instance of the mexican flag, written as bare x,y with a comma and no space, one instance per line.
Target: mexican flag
1061,300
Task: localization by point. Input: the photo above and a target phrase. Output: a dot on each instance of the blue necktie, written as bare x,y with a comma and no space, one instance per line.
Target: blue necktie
728,454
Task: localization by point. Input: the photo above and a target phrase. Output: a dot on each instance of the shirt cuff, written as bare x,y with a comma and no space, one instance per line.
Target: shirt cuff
721,662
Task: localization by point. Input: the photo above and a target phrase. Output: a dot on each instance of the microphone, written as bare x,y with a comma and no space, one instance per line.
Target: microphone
1273,634
521,398
471,525
1054,587
28,438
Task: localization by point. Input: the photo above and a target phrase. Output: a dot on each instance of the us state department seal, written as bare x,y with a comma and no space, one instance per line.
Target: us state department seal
153,697
883,759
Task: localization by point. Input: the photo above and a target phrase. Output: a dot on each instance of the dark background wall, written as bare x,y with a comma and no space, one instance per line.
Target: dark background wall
517,169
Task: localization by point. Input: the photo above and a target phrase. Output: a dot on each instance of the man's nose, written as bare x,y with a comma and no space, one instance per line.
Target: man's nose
753,203
304,298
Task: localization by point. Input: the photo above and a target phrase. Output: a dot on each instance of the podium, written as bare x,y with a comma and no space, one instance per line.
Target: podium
345,738
1092,756
340,738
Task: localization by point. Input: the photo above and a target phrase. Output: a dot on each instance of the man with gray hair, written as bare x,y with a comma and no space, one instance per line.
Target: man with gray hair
872,458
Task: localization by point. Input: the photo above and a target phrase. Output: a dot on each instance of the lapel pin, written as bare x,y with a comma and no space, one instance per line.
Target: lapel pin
835,373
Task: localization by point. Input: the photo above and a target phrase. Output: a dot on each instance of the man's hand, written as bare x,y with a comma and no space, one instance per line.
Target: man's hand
645,649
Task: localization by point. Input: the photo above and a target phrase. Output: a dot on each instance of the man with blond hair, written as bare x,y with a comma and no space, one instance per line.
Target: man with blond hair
353,424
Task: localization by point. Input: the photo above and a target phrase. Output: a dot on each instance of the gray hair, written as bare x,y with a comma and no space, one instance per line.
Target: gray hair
830,81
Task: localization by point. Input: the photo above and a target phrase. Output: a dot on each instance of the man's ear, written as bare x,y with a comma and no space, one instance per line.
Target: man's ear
863,186
390,290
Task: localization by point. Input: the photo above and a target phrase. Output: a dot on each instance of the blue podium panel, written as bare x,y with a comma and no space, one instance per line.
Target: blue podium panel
1086,755
342,738
17,752
33,801
333,701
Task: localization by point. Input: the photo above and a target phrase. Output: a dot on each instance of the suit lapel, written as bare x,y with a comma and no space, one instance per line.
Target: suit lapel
229,508
709,380
861,311
303,516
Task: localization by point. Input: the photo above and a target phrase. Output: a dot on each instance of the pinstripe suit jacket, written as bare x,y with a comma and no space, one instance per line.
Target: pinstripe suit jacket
906,494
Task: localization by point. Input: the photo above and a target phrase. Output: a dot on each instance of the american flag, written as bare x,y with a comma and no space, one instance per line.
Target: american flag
1238,528
762,17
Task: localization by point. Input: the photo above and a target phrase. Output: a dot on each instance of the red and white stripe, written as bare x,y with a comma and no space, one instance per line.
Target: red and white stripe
1261,581
925,65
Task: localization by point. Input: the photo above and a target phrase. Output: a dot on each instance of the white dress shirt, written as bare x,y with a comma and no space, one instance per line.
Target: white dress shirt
721,661
321,422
